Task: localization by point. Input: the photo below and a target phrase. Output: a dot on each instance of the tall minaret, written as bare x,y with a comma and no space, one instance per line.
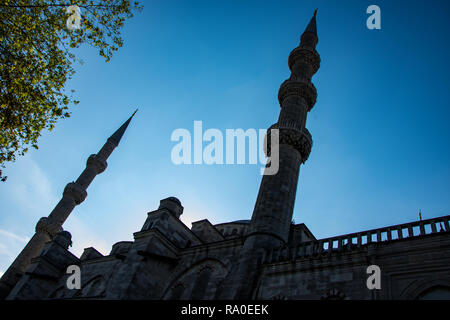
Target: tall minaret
274,206
272,215
47,227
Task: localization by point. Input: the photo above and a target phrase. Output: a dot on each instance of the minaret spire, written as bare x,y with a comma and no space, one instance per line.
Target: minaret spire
47,227
272,215
116,136
312,27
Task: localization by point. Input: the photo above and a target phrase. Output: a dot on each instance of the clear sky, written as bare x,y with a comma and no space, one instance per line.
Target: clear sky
380,124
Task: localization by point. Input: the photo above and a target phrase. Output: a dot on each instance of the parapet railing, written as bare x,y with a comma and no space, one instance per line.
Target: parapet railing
359,239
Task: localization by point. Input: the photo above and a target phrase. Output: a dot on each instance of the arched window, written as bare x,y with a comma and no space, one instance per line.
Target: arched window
435,293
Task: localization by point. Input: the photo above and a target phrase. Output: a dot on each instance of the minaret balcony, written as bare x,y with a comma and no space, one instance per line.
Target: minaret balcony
306,56
305,90
99,164
299,139
48,226
75,192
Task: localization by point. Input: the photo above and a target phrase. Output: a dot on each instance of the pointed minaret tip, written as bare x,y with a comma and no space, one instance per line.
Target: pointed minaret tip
117,136
311,27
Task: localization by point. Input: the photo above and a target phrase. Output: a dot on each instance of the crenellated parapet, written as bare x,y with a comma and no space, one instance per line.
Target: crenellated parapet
360,240
74,191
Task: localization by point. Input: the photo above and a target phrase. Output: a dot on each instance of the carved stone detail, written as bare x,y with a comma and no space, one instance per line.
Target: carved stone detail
308,56
75,191
49,226
99,164
300,140
306,90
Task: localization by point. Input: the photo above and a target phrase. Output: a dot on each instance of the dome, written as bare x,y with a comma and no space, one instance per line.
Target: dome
65,234
174,200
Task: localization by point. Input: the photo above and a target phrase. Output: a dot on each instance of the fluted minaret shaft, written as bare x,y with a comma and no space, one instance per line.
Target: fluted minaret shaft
47,227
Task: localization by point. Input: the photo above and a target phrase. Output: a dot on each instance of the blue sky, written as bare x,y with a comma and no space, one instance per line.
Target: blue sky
380,124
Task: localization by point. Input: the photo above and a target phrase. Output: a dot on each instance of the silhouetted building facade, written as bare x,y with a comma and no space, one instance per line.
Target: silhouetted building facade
267,257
